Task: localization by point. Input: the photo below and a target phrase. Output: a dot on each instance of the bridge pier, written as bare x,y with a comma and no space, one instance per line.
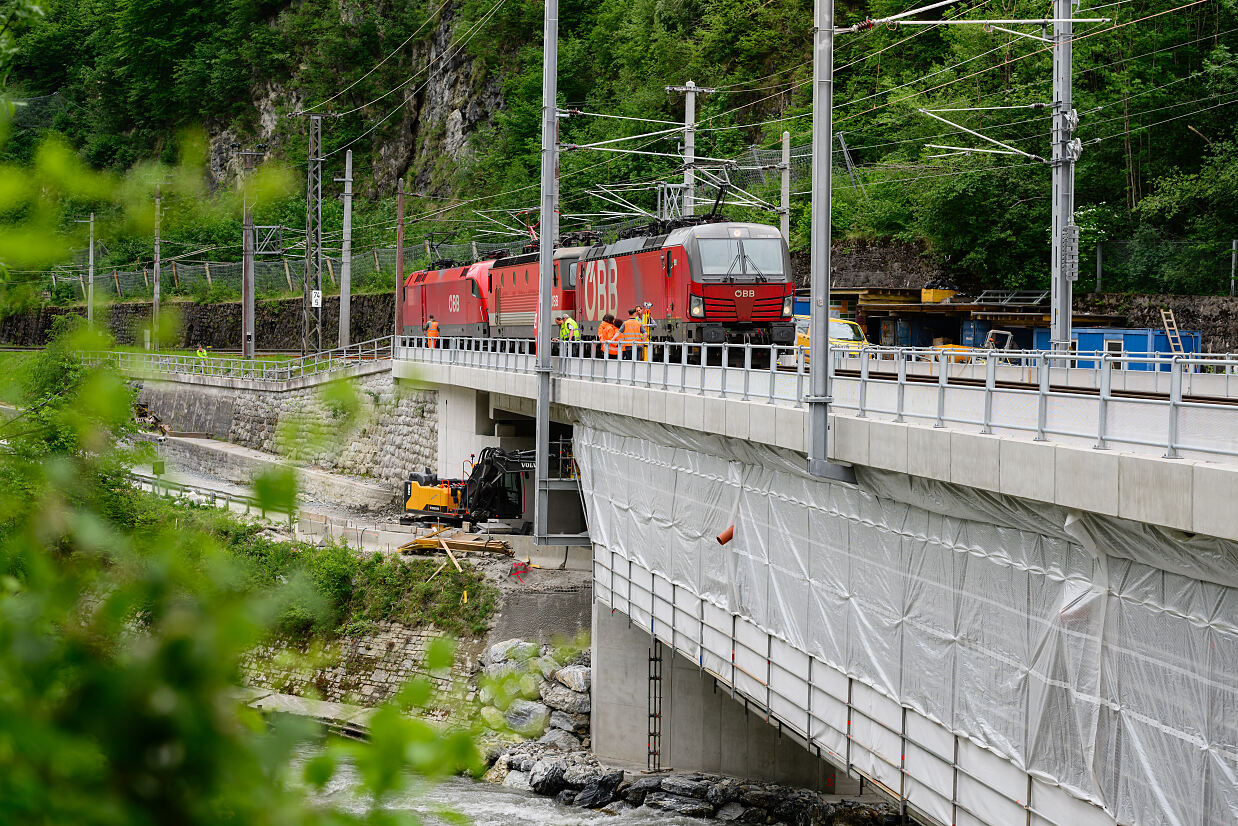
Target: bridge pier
703,727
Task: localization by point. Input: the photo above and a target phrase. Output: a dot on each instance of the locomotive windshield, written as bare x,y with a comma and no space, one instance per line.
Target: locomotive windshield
750,258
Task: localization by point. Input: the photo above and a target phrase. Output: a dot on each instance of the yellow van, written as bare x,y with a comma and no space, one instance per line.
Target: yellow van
844,335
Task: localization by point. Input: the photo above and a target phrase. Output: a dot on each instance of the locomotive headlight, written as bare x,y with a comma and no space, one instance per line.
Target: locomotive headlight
788,305
696,306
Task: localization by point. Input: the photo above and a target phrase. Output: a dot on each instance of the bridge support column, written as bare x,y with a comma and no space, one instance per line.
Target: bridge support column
703,728
464,428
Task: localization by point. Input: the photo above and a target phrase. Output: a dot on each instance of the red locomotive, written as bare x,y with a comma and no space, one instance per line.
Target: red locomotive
709,282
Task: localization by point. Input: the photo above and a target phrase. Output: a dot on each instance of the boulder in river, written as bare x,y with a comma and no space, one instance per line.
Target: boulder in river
575,677
600,792
575,723
546,777
563,698
527,718
517,780
641,786
560,739
687,806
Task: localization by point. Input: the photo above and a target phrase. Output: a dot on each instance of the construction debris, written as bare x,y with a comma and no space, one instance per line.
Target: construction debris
455,543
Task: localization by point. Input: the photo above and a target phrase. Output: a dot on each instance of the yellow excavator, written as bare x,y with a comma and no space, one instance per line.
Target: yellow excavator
494,489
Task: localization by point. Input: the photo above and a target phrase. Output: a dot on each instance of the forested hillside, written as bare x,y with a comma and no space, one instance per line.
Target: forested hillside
448,96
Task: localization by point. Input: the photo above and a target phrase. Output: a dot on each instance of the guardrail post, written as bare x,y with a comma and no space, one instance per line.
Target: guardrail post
990,383
943,376
863,384
901,355
747,368
1175,402
1042,396
683,366
666,362
773,370
1103,404
800,354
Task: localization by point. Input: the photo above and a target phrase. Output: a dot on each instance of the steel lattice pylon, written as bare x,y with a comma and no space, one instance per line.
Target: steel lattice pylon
311,326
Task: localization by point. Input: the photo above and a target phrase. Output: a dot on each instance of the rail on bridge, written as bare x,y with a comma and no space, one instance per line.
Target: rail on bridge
1181,406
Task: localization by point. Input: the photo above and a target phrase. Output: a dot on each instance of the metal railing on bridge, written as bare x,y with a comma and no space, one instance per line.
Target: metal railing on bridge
1169,403
235,367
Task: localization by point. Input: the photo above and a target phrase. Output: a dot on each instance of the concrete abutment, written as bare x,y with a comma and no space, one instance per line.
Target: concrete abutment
704,728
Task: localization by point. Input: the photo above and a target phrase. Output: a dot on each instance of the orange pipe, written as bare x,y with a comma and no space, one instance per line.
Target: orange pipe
727,535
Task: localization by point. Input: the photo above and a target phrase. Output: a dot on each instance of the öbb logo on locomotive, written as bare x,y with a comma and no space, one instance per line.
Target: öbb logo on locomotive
701,282
600,288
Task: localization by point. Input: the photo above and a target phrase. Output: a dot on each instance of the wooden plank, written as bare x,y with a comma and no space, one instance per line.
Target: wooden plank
450,555
438,571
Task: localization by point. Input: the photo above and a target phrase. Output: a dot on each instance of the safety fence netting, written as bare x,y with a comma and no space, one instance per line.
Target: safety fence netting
1092,654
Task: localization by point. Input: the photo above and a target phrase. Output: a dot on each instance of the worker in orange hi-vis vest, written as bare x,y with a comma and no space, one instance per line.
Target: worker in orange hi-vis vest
608,335
631,335
432,333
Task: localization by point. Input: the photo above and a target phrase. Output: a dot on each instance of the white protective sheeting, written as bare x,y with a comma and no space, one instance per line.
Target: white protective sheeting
1092,656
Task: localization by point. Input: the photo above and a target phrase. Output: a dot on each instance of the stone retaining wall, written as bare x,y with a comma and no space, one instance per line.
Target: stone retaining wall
395,432
362,669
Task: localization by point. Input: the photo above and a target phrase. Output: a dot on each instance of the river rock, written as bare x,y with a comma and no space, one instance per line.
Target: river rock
730,812
546,666
567,797
687,806
575,723
641,786
560,739
760,795
686,785
575,677
527,718
517,650
493,718
617,807
546,777
563,698
722,792
517,780
600,792
580,775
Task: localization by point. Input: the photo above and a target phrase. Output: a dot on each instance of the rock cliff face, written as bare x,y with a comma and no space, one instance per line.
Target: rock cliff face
427,140
871,264
1213,315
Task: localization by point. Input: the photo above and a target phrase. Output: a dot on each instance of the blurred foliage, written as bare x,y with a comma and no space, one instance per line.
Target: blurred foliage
123,618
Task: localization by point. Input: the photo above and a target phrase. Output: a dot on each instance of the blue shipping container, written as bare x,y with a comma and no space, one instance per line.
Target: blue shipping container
1124,341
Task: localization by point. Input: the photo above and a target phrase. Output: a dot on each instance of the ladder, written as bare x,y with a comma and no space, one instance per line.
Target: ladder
1171,330
654,762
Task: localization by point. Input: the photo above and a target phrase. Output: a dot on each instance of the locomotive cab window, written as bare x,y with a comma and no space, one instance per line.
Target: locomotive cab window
720,257
752,258
571,275
763,256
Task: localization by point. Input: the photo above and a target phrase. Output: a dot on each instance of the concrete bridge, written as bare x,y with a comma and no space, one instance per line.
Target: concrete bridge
1025,610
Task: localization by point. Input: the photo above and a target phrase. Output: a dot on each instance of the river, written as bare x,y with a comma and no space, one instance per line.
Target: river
486,804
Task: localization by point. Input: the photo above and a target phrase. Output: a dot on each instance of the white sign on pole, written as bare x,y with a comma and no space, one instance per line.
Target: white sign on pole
315,298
